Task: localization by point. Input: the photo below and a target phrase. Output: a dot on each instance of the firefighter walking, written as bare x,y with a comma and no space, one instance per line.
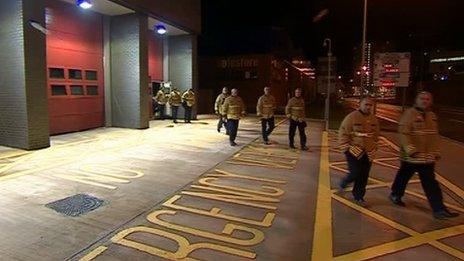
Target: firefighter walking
358,137
218,108
419,139
175,100
265,109
232,110
161,99
295,111
188,100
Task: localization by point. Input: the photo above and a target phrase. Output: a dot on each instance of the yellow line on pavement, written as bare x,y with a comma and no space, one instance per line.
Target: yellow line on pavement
322,238
406,243
96,252
11,154
14,163
454,188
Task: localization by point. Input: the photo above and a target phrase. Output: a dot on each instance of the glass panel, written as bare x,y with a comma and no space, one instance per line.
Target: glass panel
75,74
91,75
58,90
77,90
56,73
92,90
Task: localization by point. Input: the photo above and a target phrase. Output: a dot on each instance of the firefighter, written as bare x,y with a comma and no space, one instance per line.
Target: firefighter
232,110
175,100
295,111
419,140
358,137
265,109
218,108
161,98
188,100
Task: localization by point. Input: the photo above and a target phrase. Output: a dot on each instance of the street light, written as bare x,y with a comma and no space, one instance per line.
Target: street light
160,29
363,54
85,4
328,44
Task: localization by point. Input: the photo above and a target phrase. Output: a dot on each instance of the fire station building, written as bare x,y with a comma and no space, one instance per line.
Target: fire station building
70,65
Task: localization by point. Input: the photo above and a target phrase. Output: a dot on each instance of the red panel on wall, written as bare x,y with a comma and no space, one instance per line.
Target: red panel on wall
155,57
155,62
75,50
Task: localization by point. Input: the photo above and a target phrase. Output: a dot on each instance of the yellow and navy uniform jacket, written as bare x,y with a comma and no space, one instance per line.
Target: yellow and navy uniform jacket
161,97
219,102
175,99
189,98
233,108
359,134
266,106
295,109
419,138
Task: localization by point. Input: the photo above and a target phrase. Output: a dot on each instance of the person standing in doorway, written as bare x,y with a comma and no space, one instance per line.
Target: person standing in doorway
358,137
218,108
265,109
161,98
232,110
188,100
419,140
295,111
175,100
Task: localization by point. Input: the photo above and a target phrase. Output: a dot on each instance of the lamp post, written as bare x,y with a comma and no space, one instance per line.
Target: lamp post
363,51
328,44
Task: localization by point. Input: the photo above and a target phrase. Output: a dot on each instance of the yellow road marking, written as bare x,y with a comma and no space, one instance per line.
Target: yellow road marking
406,243
94,253
455,189
11,154
322,238
415,238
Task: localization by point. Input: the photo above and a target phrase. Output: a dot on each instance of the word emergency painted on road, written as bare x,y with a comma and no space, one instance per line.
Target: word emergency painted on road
256,155
255,193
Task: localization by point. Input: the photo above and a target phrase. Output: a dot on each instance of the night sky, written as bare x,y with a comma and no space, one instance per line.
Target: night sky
408,25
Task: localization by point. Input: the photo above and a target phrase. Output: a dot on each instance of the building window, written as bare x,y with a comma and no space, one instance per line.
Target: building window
75,74
92,90
59,90
77,90
56,73
91,75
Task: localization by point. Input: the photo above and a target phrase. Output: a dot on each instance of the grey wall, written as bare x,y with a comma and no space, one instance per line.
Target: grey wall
23,98
107,70
182,65
129,70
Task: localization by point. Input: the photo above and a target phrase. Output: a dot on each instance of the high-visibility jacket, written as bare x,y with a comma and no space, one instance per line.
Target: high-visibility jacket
233,108
295,109
219,102
175,99
189,98
266,106
419,138
359,134
161,97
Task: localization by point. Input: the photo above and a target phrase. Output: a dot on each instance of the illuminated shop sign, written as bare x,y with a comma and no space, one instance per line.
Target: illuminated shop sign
238,63
449,59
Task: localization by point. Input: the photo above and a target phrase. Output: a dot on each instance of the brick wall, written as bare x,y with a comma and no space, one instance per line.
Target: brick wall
23,100
182,65
129,71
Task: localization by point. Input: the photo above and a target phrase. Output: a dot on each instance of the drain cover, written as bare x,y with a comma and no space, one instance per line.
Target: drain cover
76,205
